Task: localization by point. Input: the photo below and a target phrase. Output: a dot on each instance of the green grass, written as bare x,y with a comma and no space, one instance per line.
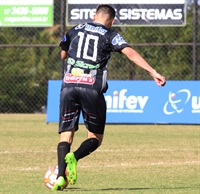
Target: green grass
139,159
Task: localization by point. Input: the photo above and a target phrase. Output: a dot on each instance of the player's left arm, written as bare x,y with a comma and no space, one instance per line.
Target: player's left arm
140,61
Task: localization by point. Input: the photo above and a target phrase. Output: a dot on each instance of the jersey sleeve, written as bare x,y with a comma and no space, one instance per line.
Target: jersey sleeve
118,42
64,44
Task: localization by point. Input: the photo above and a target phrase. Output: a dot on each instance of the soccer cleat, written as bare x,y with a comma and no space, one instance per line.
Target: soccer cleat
71,168
59,184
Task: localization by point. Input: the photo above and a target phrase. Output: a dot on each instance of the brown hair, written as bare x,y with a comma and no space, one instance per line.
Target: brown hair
106,9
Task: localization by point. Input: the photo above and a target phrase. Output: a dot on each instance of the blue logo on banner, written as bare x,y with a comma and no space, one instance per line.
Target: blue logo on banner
177,101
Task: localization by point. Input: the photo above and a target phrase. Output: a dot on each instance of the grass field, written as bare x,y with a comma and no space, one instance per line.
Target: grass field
145,159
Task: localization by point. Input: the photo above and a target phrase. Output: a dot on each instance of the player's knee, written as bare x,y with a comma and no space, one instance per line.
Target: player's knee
94,142
100,142
67,136
99,137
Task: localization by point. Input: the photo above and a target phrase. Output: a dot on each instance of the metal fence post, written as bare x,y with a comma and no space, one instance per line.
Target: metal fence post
195,40
62,30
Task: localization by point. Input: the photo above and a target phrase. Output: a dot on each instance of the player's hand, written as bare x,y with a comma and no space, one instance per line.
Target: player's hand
159,79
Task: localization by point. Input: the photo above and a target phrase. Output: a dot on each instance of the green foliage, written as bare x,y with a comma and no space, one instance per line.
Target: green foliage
167,49
25,71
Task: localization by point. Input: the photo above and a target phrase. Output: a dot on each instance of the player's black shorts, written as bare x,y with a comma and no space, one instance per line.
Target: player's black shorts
73,100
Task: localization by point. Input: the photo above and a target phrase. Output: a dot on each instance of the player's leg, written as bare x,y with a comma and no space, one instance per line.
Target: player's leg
68,123
94,113
87,147
63,148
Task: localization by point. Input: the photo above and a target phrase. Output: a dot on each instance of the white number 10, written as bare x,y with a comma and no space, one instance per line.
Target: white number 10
85,49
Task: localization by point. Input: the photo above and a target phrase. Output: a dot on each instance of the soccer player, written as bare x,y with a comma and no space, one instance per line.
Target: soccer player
87,49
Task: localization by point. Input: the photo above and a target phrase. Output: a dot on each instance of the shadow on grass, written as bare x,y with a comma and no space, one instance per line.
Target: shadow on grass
75,189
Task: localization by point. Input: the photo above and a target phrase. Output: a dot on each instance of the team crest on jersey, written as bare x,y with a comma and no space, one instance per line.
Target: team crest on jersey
64,38
118,39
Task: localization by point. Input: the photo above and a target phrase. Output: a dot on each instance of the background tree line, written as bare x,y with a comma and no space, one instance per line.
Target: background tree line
25,70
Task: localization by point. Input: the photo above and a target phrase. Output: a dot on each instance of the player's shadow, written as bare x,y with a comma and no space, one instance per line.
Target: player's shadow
77,189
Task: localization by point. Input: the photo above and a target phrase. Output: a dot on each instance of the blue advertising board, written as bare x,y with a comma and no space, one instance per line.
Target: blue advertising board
129,102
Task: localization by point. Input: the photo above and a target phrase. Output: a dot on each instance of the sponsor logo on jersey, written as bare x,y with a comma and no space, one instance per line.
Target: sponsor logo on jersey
82,64
77,72
83,79
118,39
80,26
97,29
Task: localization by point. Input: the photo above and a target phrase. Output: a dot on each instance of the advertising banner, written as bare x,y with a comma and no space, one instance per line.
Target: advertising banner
142,13
17,13
141,102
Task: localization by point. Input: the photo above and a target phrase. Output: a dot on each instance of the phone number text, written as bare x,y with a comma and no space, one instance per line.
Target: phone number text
25,10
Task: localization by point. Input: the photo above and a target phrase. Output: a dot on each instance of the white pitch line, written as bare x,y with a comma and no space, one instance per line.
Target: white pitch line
118,165
22,152
110,165
144,164
176,163
112,151
148,150
26,169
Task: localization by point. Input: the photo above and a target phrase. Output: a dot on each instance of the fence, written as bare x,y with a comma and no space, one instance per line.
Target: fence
29,57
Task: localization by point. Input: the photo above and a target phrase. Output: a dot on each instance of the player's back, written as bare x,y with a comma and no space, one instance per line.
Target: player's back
90,44
89,48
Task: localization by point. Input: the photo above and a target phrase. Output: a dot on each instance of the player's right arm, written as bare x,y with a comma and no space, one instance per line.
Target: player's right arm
140,61
63,54
64,44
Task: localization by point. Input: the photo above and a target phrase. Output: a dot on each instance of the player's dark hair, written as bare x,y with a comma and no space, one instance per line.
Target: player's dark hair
106,9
